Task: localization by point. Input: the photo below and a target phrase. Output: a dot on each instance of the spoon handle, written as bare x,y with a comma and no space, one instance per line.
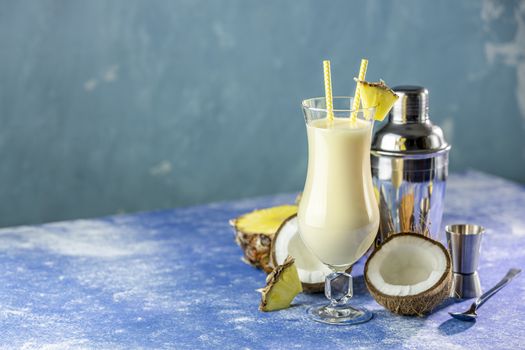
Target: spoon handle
486,296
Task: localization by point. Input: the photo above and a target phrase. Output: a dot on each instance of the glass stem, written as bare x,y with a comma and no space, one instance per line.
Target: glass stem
338,289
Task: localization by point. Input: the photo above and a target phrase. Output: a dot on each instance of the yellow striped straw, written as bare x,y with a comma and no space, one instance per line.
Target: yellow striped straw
328,91
357,94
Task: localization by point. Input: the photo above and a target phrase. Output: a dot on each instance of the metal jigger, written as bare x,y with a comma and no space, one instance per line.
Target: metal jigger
463,243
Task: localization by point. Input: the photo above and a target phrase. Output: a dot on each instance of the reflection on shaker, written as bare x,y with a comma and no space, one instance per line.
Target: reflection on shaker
397,180
386,225
406,212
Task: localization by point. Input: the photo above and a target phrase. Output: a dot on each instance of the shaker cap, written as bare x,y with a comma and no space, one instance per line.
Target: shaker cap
412,105
409,131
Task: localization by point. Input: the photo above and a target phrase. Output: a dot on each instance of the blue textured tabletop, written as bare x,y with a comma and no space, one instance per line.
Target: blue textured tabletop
174,279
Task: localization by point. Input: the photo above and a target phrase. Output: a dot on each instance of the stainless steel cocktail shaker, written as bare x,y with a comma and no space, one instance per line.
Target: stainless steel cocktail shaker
409,160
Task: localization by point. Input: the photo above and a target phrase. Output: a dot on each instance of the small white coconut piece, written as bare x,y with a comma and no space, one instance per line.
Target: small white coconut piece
409,274
287,241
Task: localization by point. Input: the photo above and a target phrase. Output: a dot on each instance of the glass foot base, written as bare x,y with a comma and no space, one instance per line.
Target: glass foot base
341,315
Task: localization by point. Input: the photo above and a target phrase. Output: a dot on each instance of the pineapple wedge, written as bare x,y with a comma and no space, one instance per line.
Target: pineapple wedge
377,95
282,286
254,233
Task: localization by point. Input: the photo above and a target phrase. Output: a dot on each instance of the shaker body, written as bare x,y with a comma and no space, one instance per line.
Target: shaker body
409,161
411,192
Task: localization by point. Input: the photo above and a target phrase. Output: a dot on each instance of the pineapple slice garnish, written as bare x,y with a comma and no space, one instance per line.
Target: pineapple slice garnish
282,286
377,95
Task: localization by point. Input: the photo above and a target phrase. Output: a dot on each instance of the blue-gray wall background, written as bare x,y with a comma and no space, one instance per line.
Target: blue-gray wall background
126,105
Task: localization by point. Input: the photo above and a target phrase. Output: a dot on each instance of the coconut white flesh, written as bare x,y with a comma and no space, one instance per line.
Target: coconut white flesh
288,242
406,266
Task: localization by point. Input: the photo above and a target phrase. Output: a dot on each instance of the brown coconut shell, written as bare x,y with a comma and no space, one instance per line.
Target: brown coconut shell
418,304
307,287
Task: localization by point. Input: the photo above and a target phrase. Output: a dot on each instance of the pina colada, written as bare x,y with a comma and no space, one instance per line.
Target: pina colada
338,214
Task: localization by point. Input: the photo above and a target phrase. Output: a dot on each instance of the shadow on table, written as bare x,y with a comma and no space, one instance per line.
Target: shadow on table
359,285
453,326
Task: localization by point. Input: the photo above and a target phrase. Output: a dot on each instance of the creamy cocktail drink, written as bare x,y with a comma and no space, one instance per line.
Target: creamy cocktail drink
338,214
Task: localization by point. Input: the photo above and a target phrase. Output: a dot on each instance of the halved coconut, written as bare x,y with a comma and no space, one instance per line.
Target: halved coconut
254,232
287,241
409,274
